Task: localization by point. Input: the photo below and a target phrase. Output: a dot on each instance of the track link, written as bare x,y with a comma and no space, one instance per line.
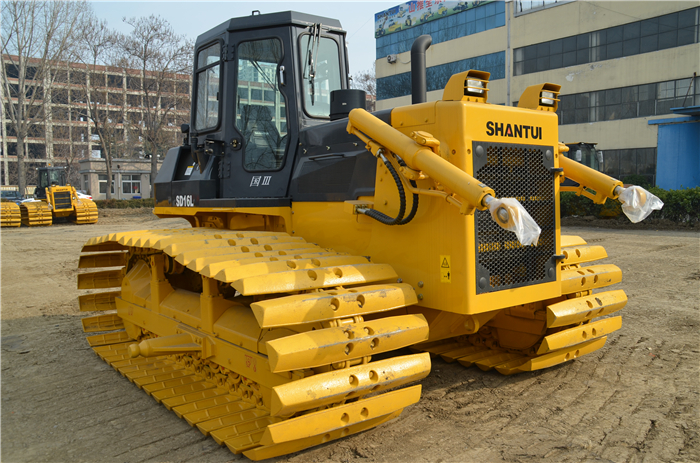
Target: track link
256,338
35,213
10,215
540,335
85,212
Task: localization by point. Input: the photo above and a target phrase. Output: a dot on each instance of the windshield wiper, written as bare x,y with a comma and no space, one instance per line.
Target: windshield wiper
313,56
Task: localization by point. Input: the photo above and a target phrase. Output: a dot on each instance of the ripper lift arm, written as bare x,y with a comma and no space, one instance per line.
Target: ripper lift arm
637,203
418,157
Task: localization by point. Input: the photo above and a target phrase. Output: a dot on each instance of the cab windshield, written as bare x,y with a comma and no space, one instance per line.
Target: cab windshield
585,154
51,177
320,73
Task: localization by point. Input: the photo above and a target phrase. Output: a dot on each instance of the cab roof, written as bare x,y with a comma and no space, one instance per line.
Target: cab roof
258,21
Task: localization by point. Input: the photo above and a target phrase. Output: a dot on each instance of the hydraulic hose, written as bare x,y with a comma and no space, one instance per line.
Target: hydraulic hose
399,219
414,208
381,217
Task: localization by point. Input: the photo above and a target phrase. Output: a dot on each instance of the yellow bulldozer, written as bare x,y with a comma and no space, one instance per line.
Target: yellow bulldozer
9,209
333,251
56,199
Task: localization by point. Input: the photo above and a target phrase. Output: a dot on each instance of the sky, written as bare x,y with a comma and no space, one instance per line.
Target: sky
194,18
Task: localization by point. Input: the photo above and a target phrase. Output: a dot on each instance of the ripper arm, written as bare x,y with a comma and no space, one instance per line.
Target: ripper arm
637,203
592,184
379,136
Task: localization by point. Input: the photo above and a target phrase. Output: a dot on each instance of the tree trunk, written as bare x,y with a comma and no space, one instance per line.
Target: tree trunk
154,169
21,127
21,171
108,164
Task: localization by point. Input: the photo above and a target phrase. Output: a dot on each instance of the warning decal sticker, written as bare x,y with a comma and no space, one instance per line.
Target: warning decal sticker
445,269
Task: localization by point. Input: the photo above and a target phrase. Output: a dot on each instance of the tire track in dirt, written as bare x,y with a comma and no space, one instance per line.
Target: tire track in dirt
73,414
58,394
636,415
146,450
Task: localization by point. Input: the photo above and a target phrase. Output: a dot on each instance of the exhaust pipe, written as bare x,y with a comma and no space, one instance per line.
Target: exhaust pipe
419,88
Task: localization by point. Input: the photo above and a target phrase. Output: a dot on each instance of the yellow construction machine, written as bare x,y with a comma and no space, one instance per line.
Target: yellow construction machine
9,209
325,240
55,198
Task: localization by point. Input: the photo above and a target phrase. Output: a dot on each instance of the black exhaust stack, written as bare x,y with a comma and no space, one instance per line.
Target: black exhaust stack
419,88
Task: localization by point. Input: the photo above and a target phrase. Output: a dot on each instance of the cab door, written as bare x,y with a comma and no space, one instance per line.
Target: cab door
259,153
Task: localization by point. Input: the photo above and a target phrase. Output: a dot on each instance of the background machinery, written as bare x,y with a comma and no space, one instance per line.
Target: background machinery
56,199
9,208
586,154
325,240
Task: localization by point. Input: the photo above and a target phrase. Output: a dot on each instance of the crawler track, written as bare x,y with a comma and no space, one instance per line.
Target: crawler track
543,334
36,213
10,215
265,342
256,338
39,213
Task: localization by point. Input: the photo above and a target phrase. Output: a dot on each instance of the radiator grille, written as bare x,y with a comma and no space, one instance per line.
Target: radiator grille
62,200
521,172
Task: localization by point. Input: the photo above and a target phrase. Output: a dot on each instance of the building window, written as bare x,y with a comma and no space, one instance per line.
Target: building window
628,102
437,76
131,184
668,31
86,183
102,179
528,6
626,162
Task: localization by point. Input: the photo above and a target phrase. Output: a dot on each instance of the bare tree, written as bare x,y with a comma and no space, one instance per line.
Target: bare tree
63,137
367,81
68,156
35,37
160,54
96,47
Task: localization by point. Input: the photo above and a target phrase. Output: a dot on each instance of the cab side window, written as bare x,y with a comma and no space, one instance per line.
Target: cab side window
208,80
43,179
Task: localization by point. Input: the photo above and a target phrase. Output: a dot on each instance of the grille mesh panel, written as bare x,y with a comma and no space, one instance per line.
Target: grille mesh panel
515,171
62,199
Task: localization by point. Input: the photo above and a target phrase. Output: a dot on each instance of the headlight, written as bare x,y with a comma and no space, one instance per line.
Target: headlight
547,99
475,86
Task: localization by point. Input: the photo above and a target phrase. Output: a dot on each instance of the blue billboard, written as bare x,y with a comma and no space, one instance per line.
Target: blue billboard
416,12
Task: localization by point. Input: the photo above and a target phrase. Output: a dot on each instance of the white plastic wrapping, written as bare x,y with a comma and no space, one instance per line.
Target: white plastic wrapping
638,203
518,220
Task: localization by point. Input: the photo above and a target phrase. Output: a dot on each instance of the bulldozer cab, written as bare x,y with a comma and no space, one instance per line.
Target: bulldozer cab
49,177
586,154
257,81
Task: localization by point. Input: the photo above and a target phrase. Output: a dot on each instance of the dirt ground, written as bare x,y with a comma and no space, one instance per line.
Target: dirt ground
635,400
